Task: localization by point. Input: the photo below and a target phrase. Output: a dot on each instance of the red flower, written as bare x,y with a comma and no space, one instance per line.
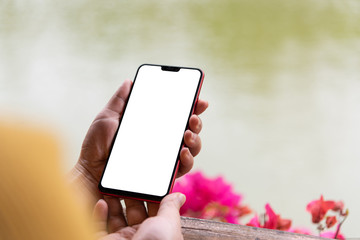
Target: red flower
272,221
338,206
283,224
319,208
330,221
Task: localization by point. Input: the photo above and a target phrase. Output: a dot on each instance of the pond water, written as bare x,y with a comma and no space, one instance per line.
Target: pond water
282,79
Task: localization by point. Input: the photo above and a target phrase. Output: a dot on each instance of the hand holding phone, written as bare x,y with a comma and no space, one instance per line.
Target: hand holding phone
145,152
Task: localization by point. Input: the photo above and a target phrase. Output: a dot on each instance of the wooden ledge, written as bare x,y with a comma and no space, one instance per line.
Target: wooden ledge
197,229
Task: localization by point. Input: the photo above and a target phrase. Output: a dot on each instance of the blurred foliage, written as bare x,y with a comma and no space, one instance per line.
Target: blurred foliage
227,29
256,29
234,35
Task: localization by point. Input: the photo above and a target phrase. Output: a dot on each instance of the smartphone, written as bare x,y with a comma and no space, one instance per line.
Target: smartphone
144,156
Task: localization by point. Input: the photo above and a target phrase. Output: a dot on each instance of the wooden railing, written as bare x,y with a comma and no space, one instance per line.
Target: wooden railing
198,229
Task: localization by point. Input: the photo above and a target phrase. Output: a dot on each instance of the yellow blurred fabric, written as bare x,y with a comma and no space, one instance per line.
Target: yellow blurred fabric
35,202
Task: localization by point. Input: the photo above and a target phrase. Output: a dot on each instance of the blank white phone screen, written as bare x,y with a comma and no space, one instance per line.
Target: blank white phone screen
145,150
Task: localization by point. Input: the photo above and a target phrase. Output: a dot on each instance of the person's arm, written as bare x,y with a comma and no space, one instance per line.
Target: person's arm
86,174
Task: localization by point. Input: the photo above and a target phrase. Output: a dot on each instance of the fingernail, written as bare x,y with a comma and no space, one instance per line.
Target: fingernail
182,198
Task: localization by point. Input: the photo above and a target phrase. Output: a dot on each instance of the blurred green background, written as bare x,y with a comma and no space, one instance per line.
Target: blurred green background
282,78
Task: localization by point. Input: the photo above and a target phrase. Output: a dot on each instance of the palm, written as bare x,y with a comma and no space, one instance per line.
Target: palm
96,146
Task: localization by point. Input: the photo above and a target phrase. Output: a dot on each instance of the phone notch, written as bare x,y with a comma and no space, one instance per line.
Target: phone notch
170,68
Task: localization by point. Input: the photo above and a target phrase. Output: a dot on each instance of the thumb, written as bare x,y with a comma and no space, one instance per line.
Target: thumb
118,100
167,224
100,215
171,204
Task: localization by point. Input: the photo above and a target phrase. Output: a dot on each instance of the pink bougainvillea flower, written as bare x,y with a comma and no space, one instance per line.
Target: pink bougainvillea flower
215,211
283,224
272,220
339,206
243,210
275,221
201,194
300,230
319,208
331,235
254,222
330,221
214,198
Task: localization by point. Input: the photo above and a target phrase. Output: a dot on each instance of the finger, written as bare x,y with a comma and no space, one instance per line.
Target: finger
100,215
135,211
195,124
186,162
166,225
116,218
201,106
153,208
170,206
193,142
118,100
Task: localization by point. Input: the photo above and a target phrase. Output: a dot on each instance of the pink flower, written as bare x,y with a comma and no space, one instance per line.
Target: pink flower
209,198
331,235
319,208
213,198
272,220
300,230
254,222
214,211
